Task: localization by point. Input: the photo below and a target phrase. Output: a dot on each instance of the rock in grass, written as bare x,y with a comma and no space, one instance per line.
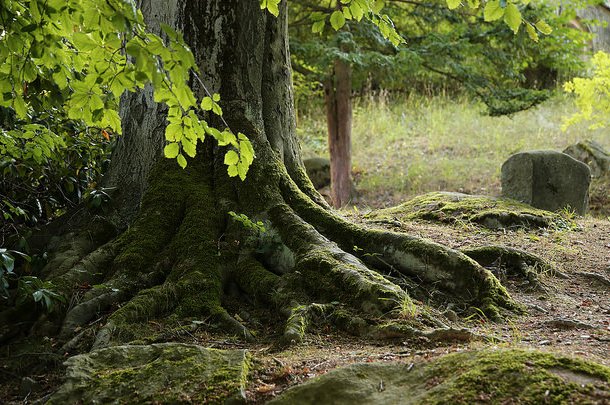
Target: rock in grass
547,180
157,373
591,153
487,376
318,170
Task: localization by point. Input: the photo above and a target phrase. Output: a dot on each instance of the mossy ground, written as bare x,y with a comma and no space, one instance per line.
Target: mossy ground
324,288
496,376
528,377
457,208
324,348
163,373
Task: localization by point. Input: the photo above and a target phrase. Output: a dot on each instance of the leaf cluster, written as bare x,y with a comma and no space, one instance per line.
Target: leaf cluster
479,53
71,60
592,94
28,288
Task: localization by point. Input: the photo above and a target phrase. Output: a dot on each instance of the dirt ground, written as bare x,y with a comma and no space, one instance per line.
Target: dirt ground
572,316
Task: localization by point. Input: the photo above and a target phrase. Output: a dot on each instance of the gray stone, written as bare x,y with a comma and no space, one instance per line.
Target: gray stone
547,180
591,153
486,376
157,373
318,170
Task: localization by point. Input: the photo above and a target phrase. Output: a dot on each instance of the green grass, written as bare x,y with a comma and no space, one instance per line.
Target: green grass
413,145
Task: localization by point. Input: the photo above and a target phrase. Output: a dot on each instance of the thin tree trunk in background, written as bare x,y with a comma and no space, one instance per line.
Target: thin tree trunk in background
339,120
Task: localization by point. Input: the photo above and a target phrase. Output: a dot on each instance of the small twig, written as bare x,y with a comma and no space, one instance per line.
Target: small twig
538,308
210,96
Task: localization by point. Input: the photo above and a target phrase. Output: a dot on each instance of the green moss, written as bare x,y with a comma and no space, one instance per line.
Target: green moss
162,373
255,280
486,211
434,265
172,249
161,213
487,376
514,375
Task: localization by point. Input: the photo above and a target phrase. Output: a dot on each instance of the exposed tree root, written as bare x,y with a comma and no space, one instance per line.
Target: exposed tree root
177,261
433,265
503,260
600,278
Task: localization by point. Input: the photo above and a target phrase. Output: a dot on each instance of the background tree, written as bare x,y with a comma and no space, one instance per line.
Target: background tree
473,48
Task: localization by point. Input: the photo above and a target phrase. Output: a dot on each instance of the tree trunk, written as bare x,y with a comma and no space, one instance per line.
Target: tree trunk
182,255
338,98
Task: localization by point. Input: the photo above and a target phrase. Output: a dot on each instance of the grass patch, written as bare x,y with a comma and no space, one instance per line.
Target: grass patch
412,145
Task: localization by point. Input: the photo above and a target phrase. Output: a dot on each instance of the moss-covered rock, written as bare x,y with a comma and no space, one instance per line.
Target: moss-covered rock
158,373
487,376
490,212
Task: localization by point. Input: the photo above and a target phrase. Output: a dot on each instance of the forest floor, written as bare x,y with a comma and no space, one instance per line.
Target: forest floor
572,317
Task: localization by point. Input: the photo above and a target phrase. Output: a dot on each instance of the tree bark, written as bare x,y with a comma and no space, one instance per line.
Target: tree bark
338,91
181,253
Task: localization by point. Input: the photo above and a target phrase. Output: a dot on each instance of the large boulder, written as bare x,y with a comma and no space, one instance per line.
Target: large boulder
487,376
318,170
547,180
165,373
591,153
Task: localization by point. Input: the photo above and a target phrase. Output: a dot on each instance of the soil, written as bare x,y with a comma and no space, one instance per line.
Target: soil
570,316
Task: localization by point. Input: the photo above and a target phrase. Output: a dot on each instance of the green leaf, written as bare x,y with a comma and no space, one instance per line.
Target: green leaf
378,6
171,150
96,102
181,161
512,17
318,26
19,106
225,138
493,11
453,4
231,158
37,295
207,104
357,11
544,27
112,120
173,132
8,262
216,97
242,170
337,20
531,31
83,42
189,147
232,171
271,5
